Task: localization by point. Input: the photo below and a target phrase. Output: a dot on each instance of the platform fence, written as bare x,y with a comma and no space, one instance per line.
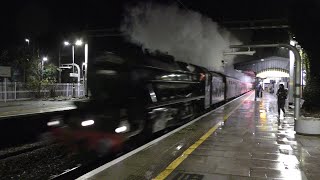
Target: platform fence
14,91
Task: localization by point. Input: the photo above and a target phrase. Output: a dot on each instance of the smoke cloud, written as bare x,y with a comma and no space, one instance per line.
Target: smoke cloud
186,35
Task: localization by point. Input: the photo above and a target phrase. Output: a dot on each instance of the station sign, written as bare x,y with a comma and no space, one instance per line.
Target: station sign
73,74
5,71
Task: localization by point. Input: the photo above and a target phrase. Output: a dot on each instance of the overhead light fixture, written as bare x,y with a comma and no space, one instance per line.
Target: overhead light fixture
240,53
79,42
272,74
66,43
262,60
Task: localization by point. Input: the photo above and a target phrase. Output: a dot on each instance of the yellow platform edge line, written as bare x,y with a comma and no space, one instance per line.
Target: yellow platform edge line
174,164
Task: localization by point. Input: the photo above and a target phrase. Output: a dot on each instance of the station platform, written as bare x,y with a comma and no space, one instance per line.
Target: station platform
19,108
240,140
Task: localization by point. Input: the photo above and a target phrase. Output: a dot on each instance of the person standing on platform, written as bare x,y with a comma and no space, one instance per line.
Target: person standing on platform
259,91
282,96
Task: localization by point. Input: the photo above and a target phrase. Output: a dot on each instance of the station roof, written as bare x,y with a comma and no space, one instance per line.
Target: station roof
273,62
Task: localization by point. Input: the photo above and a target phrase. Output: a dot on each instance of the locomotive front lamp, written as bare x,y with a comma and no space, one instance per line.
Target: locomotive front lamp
87,123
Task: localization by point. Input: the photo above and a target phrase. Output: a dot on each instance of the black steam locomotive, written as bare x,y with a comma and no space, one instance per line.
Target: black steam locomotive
141,95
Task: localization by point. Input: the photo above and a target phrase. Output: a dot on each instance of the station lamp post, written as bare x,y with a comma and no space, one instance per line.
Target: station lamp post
44,59
79,42
27,40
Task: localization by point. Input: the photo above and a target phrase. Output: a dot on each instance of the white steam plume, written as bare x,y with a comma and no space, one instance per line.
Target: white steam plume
186,35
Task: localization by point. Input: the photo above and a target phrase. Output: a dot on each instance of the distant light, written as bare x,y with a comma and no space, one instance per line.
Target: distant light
262,60
79,42
45,59
27,40
66,43
53,123
121,129
87,123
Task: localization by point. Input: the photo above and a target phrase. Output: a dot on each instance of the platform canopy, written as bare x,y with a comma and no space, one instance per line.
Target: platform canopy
273,66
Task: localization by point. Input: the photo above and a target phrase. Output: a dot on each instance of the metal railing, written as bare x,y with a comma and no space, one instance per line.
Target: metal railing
12,91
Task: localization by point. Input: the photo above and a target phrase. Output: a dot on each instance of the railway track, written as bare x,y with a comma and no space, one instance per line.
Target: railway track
23,129
9,152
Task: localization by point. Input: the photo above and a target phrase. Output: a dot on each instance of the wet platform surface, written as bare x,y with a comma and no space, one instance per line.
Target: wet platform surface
17,108
241,140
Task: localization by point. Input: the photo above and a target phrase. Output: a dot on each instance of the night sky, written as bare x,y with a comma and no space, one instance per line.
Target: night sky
48,23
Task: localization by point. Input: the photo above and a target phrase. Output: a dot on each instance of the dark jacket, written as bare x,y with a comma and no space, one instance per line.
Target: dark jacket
282,94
